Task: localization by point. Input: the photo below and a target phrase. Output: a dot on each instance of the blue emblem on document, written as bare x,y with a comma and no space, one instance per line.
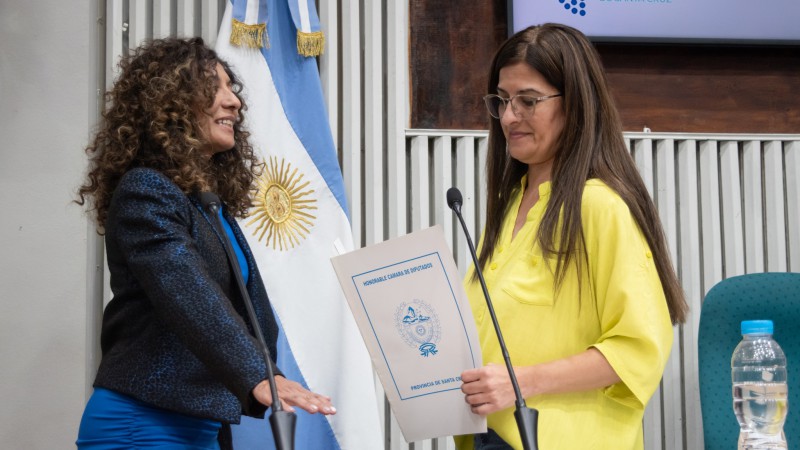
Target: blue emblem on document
418,325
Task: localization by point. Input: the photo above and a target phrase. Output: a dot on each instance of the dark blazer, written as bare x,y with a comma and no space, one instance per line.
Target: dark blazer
176,333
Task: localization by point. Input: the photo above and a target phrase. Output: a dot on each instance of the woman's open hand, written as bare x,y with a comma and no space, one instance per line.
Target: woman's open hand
293,394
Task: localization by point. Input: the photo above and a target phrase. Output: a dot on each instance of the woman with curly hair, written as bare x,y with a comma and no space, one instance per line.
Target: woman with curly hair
573,253
179,358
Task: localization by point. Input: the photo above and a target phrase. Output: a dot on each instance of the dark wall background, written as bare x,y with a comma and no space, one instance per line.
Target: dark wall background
664,87
451,46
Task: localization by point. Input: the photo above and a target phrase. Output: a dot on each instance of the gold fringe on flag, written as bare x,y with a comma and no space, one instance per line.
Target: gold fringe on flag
253,36
310,44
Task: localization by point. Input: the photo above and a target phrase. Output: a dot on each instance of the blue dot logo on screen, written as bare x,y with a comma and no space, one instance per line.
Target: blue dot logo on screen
574,6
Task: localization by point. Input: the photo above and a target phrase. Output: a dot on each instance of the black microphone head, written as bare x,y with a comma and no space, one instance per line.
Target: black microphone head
209,200
454,198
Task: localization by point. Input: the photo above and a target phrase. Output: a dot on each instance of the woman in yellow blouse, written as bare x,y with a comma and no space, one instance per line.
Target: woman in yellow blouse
573,253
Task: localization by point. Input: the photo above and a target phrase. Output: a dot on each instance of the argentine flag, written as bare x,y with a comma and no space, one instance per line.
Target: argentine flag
298,214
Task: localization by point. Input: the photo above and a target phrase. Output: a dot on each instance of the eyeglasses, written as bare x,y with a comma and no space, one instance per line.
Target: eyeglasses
522,105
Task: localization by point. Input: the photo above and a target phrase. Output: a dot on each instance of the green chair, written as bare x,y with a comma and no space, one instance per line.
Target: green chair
773,296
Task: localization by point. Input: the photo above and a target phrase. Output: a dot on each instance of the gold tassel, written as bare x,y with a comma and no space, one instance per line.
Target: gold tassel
253,36
310,44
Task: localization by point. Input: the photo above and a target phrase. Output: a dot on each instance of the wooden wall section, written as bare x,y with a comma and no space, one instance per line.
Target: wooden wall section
714,89
666,88
451,46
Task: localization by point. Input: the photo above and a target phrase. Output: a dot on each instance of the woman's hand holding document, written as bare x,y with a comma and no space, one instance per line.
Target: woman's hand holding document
409,304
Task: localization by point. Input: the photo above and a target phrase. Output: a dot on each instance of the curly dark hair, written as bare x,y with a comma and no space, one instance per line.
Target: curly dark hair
151,120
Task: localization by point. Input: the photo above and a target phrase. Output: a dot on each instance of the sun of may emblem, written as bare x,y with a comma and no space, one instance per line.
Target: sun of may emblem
282,206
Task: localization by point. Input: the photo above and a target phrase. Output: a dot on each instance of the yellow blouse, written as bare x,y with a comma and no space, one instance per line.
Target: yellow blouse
622,312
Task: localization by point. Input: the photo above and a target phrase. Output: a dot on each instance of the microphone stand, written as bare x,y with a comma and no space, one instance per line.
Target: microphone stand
527,418
282,422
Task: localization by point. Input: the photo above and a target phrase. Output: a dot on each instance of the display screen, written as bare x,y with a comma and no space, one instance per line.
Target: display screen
713,21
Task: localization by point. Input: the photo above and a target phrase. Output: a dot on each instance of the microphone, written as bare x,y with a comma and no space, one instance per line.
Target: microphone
454,201
282,422
527,418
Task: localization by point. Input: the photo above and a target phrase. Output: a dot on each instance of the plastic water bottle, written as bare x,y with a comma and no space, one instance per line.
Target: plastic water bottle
760,394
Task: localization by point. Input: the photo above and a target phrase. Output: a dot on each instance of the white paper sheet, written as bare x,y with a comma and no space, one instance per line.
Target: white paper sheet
409,304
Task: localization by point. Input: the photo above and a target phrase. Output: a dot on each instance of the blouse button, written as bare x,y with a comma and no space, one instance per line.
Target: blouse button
649,254
493,266
500,250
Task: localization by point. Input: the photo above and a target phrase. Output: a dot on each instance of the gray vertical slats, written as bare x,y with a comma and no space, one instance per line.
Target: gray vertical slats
483,149
753,207
374,133
419,205
775,231
442,181
116,28
419,200
732,223
710,214
187,25
162,18
209,21
350,146
132,22
396,72
671,385
140,20
689,271
329,62
465,173
792,170
643,156
350,149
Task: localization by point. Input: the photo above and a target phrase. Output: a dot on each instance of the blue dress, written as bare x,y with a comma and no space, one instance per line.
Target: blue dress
116,421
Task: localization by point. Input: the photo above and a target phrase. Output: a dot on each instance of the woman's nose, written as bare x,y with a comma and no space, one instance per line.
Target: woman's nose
508,115
231,100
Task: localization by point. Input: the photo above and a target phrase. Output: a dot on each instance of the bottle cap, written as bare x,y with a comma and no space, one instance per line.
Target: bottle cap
757,327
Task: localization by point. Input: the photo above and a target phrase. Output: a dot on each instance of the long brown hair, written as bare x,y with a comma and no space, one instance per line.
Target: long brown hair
592,146
151,120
